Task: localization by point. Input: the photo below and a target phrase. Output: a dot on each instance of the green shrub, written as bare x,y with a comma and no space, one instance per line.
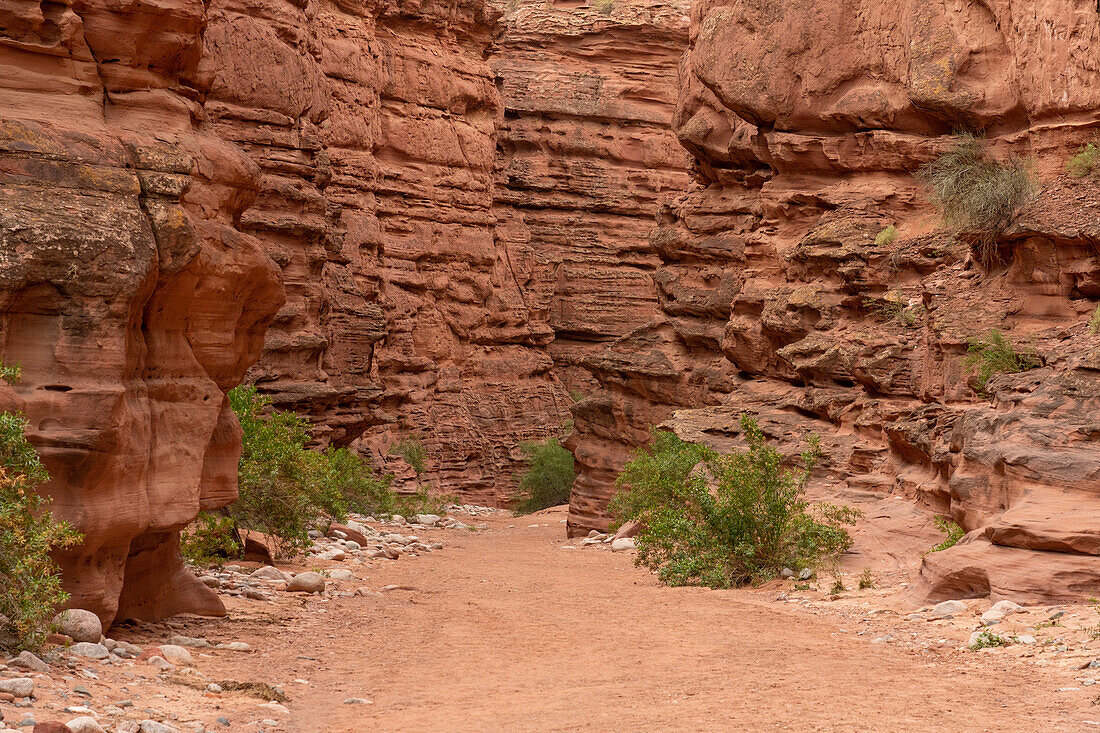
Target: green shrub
866,581
1086,162
30,583
887,236
995,355
604,7
210,540
726,520
412,451
978,194
548,479
988,639
1094,321
951,529
892,308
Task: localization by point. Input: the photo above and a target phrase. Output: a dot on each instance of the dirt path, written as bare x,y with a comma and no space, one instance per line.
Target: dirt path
507,631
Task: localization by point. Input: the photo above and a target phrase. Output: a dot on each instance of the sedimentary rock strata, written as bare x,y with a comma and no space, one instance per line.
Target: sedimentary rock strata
775,299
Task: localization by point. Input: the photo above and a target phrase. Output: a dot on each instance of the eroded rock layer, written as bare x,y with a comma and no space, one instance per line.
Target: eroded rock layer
128,296
586,158
806,126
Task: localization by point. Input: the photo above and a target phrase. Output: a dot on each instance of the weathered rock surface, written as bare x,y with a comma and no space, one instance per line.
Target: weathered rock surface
775,300
586,157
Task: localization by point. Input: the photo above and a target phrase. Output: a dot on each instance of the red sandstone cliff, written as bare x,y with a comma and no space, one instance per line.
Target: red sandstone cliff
806,122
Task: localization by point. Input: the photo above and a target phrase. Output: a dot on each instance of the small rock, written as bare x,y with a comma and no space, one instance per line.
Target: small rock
806,574
48,726
26,660
357,701
89,650
314,534
235,646
308,582
786,573
18,687
215,688
82,690
210,581
338,534
428,520
275,708
222,720
160,662
84,724
397,519
1025,639
269,572
176,654
947,608
334,554
622,544
1000,609
255,595
340,574
190,641
79,625
152,726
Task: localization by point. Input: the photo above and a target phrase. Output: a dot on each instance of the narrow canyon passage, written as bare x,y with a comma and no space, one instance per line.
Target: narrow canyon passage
507,631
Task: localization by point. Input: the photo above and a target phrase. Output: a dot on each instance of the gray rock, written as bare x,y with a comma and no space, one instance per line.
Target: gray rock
190,641
160,662
623,544
308,582
79,625
806,574
18,686
1000,609
176,654
947,608
222,720
91,651
84,724
268,572
356,701
786,573
214,687
255,594
314,534
210,581
428,520
234,646
338,534
352,545
26,660
340,574
152,726
1025,639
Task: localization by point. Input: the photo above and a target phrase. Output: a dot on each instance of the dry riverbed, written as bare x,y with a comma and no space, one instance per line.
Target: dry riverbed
513,627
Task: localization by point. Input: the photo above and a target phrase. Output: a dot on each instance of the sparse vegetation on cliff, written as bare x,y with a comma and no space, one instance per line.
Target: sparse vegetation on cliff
952,533
30,583
994,354
727,520
603,7
886,237
548,478
979,195
1086,162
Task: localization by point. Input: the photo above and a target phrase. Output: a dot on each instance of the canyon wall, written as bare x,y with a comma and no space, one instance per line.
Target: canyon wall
776,299
586,157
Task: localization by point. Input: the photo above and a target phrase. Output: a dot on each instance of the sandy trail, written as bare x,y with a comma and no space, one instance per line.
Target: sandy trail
508,632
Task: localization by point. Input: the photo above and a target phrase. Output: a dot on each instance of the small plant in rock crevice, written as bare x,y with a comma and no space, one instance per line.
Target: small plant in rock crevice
1094,321
886,237
866,581
726,520
952,531
1085,162
995,354
603,7
837,587
893,308
988,639
979,195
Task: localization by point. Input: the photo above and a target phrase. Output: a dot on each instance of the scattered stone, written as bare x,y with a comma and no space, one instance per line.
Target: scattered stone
84,724
806,574
176,654
308,582
160,662
397,519
269,572
255,595
340,574
82,690
235,646
222,720
152,726
275,708
622,544
357,701
18,687
1025,639
338,534
26,660
79,625
89,650
786,573
428,520
1000,609
210,581
314,534
190,641
946,609
215,688
334,554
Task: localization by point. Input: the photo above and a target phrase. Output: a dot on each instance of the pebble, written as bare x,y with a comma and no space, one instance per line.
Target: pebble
215,688
89,650
210,581
357,701
152,726
18,687
189,641
79,625
340,574
160,662
235,646
622,544
176,654
947,608
222,720
806,574
308,582
26,660
1000,609
1025,638
268,572
255,595
84,724
428,520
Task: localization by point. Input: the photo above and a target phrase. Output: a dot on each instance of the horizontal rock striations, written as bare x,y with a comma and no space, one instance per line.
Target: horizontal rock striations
806,123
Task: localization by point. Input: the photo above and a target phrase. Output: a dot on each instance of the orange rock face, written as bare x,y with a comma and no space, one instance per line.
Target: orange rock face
775,299
127,294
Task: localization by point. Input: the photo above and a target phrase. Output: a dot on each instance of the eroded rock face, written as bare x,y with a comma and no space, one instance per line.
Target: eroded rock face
127,295
586,157
775,299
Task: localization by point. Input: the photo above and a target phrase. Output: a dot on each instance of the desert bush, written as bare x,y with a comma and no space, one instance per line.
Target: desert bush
988,639
1094,321
978,194
866,580
994,354
548,478
210,540
893,307
887,236
604,7
30,582
727,520
412,452
1086,162
952,533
